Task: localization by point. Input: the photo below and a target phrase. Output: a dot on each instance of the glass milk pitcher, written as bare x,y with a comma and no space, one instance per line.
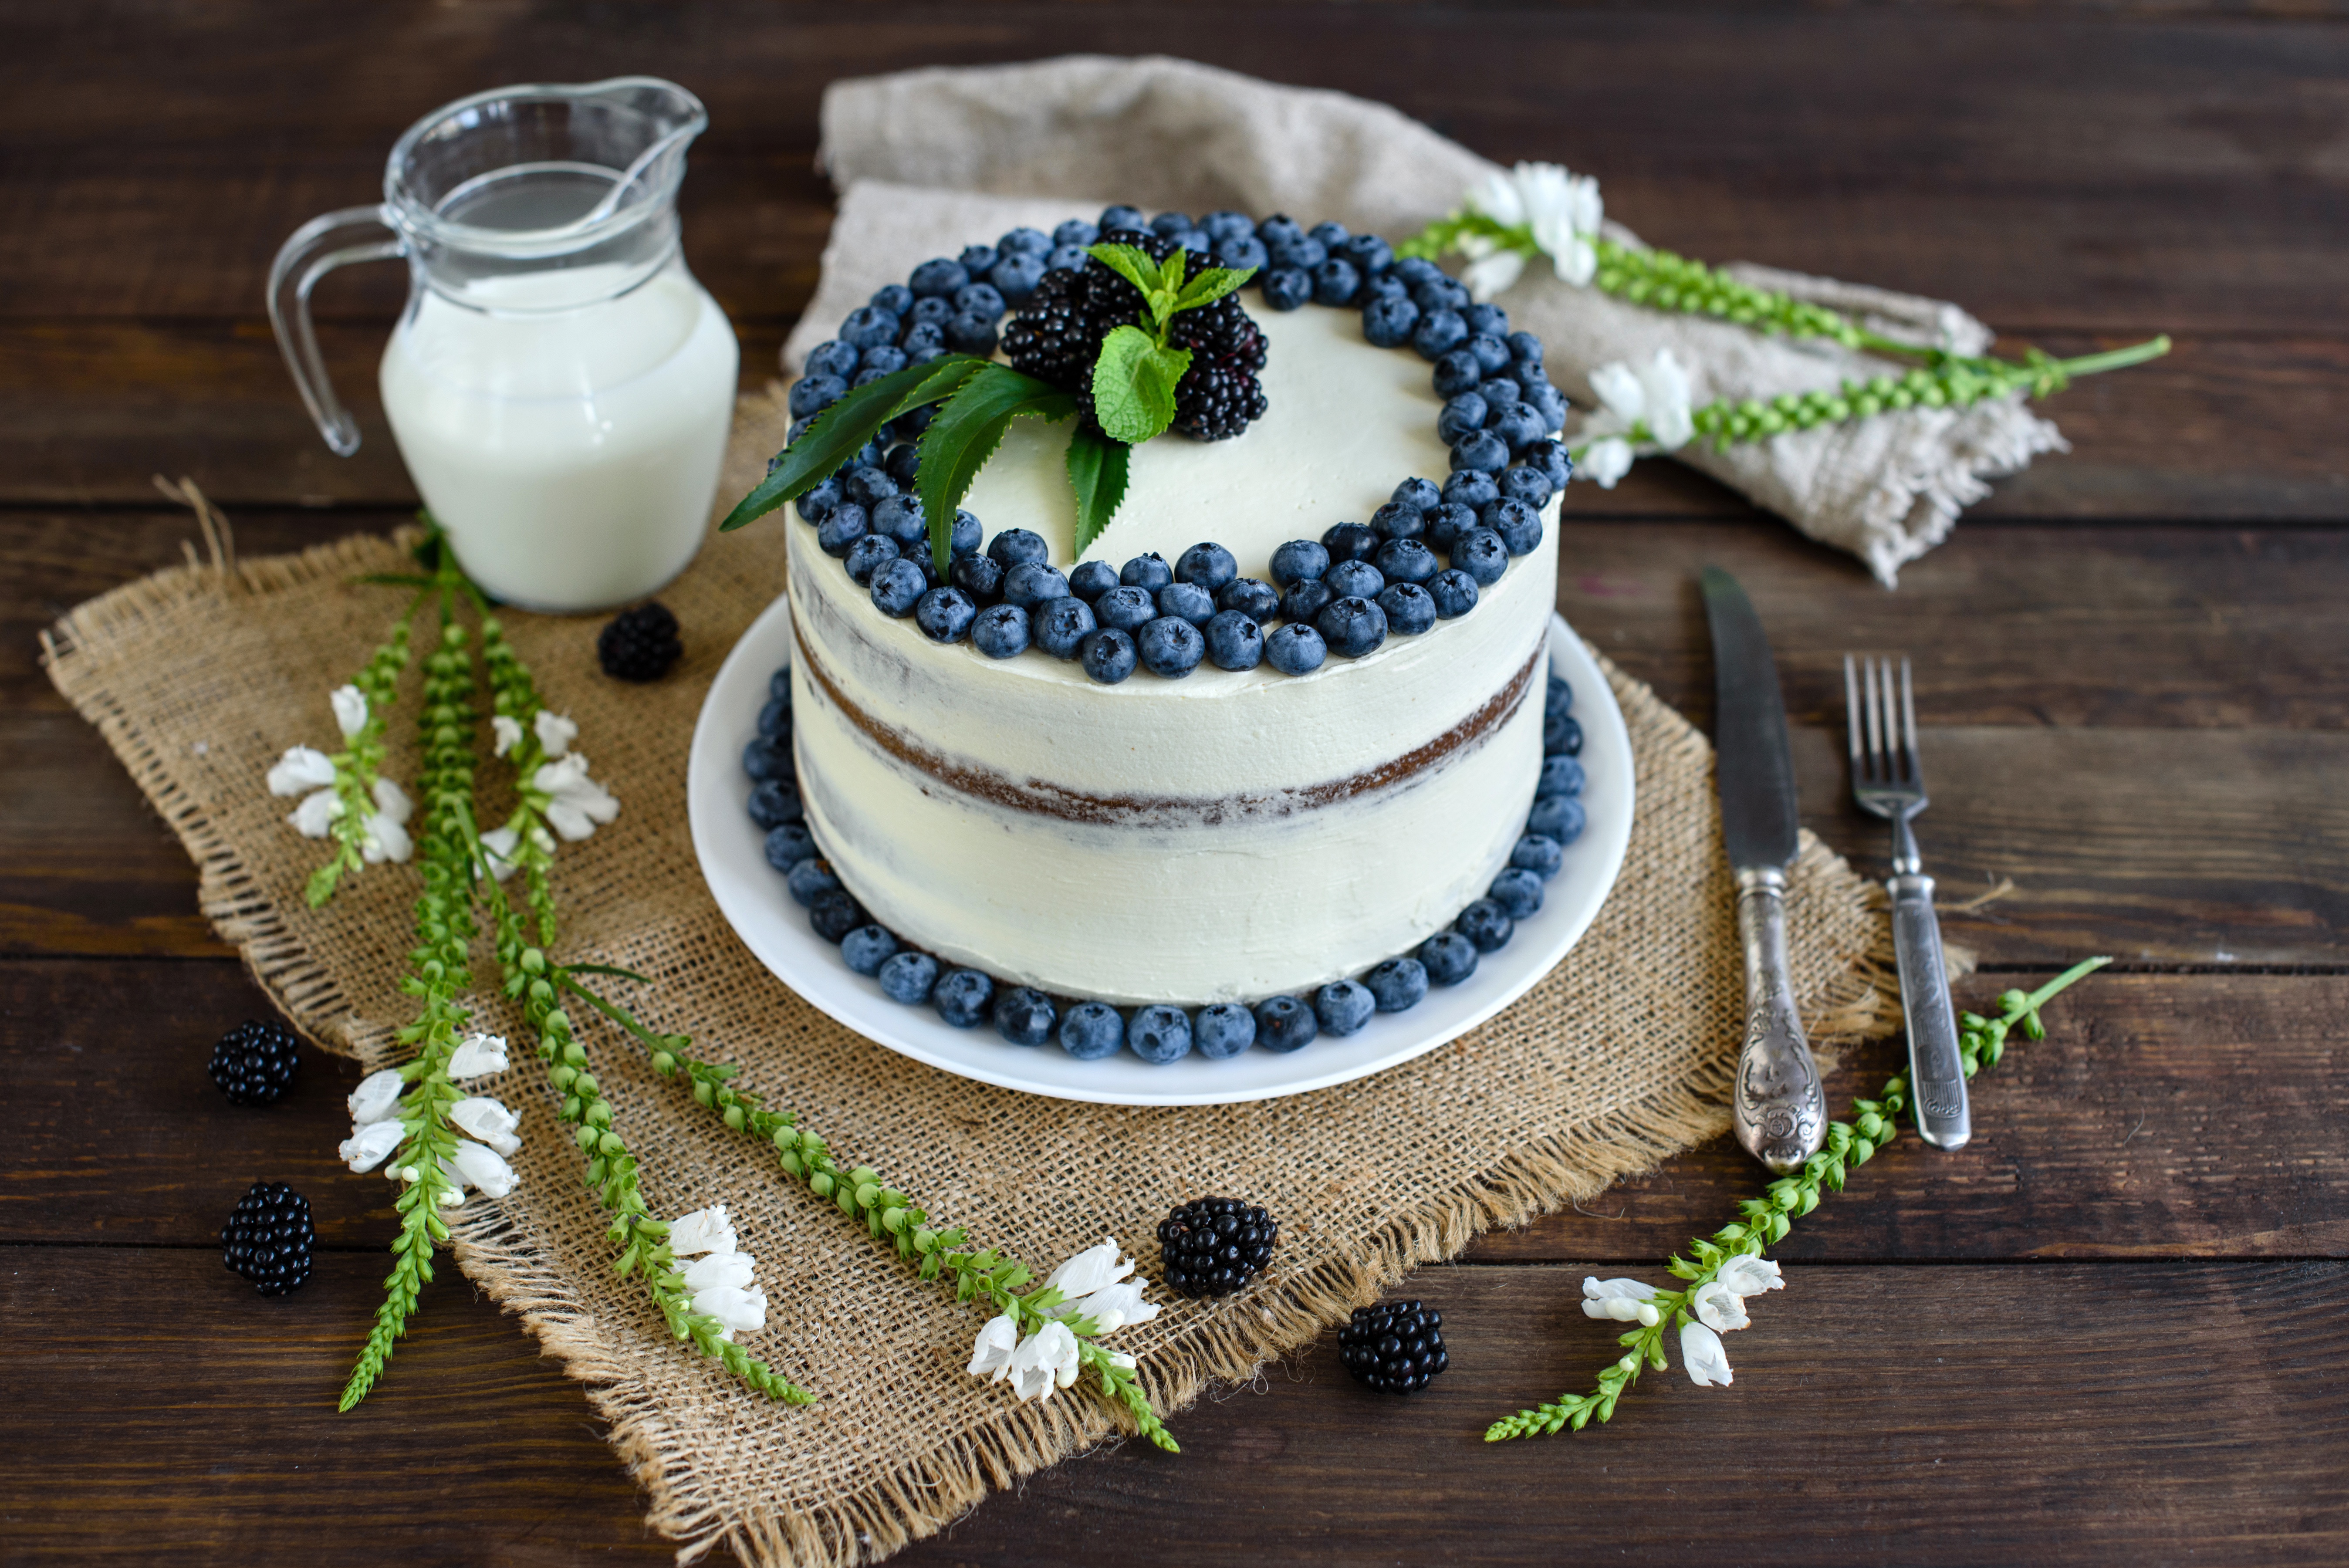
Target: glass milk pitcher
559,385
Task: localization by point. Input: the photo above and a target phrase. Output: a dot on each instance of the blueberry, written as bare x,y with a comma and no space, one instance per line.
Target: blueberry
895,298
865,377
1025,1015
962,538
1210,566
1186,601
1170,647
1453,591
763,759
1472,488
775,718
1520,525
835,914
1397,985
1389,321
1251,596
979,299
971,333
999,631
1561,735
1235,641
1358,578
1032,583
1242,253
1521,427
1330,232
1417,493
1302,254
1409,608
1481,451
1076,231
1118,217
980,579
1558,695
1167,225
1091,1030
1531,486
1405,559
1348,541
1017,546
778,685
1542,856
1551,405
1227,225
817,504
944,615
1159,1035
938,276
977,259
1353,625
1015,277
1491,355
868,325
1126,609
1447,523
1481,554
868,487
907,978
867,556
1287,288
1295,649
1285,1023
1441,294
1458,372
900,520
1060,624
810,877
910,423
1550,458
1462,416
961,998
775,803
1368,254
1149,571
1560,775
1223,1030
1398,520
898,587
1303,601
1343,1006
1092,578
1336,281
1524,348
815,394
1280,228
1108,655
1559,817
1518,891
887,359
866,948
788,845
1486,924
834,358
1381,286
935,311
1437,334
1499,393
902,465
1449,957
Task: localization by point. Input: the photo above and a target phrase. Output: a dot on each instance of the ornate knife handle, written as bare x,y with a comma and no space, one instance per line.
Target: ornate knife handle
1780,1107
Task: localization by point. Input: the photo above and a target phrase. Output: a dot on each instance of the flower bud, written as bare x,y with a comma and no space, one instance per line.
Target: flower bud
863,1175
575,1053
893,1220
563,1077
1648,1315
734,1117
867,1193
925,1238
612,1144
584,1084
703,1092
820,1184
792,1163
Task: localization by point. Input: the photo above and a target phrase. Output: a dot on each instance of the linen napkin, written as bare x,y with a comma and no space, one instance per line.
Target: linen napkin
914,153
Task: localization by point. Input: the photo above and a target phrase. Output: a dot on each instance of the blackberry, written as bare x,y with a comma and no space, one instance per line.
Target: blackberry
1213,1246
254,1062
267,1239
639,644
1055,339
1395,1346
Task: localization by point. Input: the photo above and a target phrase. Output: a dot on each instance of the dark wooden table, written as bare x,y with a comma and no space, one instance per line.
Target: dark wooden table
2113,1329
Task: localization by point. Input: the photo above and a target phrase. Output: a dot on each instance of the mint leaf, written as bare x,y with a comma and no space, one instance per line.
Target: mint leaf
1097,473
846,425
1212,285
965,433
1134,384
1132,265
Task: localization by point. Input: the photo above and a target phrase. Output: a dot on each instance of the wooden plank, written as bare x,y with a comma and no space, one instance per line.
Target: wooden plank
1965,1415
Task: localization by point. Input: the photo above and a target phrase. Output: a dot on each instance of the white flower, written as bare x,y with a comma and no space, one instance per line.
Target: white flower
369,1146
555,733
489,1120
1047,1358
578,802
1746,1274
703,1231
1491,267
480,1166
302,768
990,1353
387,833
501,843
1113,1306
1091,1270
350,709
508,732
1701,1352
731,1270
742,1311
478,1054
1607,461
1624,1300
1656,395
1562,210
314,817
377,1097
1717,1307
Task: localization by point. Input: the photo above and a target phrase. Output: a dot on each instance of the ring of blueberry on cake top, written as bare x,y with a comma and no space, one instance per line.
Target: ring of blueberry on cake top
1422,558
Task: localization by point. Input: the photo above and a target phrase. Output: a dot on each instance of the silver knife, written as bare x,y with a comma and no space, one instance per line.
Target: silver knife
1780,1108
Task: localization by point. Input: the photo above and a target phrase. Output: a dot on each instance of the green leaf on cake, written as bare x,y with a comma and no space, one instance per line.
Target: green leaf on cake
1212,285
1134,384
965,434
841,429
1097,473
1134,265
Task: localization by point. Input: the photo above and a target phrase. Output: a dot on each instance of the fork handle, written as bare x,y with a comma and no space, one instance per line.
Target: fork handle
1937,1078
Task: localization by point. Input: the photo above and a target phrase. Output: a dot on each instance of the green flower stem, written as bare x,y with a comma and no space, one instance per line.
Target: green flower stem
514,695
889,1216
1767,1219
360,762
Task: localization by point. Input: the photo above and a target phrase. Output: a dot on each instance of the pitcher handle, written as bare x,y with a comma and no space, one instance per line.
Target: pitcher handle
299,266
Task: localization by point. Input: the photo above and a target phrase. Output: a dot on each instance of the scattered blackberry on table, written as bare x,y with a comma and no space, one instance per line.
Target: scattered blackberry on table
1213,1246
255,1062
1395,1346
640,644
267,1239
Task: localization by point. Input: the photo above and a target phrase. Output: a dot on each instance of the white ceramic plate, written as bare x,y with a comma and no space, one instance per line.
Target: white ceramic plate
752,896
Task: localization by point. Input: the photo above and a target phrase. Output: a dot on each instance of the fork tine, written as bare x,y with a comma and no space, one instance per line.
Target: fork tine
1868,671
1851,714
1912,770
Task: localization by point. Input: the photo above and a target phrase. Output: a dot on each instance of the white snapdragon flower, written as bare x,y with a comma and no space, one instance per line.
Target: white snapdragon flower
302,768
1094,1269
507,731
1654,397
370,1145
314,817
387,828
730,1271
501,843
479,1165
1718,1307
741,1311
703,1231
1492,269
1623,1300
1047,1359
555,733
477,1054
1562,210
1604,461
488,1120
1701,1353
990,1353
1746,1274
578,803
1113,1306
376,1097
351,707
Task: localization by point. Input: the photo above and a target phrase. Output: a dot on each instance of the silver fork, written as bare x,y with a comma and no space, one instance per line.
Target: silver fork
1887,779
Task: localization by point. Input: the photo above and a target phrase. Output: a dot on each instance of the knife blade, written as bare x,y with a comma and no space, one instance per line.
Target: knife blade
1779,1106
